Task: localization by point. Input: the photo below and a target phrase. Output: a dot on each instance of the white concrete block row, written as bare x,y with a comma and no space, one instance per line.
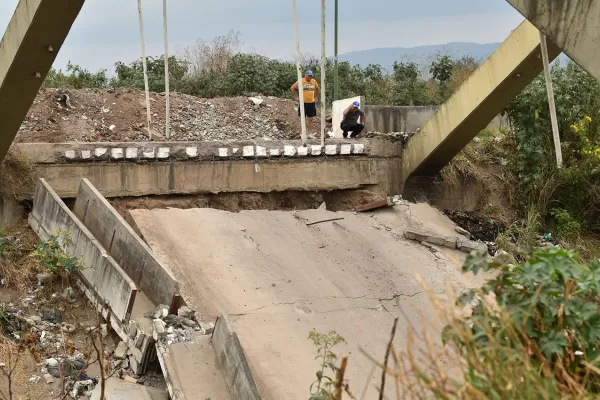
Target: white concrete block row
163,153
293,151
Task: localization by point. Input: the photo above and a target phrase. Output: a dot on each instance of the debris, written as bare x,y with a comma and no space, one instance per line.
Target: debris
111,128
185,312
468,246
373,205
34,379
44,278
52,366
129,379
325,220
257,101
480,228
48,378
69,294
161,312
323,206
421,236
463,232
121,351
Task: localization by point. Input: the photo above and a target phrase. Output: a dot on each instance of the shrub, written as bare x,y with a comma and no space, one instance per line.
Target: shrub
51,255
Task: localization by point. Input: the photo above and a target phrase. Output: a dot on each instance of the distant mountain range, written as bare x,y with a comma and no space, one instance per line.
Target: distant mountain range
422,55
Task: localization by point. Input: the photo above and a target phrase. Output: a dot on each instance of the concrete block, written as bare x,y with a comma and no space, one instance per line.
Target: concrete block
274,152
131,153
100,151
86,154
331,149
422,236
248,151
160,327
289,151
463,232
316,150
121,351
261,151
116,153
163,153
132,329
302,151
358,148
468,246
235,150
345,149
135,354
135,366
450,242
191,152
149,154
223,152
70,154
139,339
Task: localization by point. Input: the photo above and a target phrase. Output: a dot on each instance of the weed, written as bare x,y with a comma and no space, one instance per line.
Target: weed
323,388
51,256
567,226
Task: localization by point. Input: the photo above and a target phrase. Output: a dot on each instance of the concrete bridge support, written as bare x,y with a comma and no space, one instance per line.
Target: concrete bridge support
479,100
30,44
573,25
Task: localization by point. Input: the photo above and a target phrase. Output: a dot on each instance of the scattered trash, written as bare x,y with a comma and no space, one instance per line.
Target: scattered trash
35,379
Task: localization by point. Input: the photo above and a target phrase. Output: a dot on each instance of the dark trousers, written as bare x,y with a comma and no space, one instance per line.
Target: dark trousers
355,129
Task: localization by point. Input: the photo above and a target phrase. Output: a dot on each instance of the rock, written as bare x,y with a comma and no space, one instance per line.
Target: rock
463,232
185,312
52,367
159,328
121,351
468,246
179,322
44,278
69,328
257,101
69,294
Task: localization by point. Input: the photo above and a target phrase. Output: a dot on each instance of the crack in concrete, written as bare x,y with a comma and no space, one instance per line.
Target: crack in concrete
399,295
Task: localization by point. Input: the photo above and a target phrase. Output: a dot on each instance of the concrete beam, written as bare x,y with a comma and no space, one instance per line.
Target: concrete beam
26,57
573,25
478,101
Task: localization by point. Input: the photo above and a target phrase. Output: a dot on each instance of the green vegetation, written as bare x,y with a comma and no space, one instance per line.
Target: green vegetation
51,256
327,387
219,69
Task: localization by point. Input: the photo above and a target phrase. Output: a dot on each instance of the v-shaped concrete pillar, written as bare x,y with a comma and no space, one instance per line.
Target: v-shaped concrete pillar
32,40
480,98
573,25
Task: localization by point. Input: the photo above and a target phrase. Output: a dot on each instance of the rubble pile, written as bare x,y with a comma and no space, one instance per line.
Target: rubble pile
183,327
87,115
402,137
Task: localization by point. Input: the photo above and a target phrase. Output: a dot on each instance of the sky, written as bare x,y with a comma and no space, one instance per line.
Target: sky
107,31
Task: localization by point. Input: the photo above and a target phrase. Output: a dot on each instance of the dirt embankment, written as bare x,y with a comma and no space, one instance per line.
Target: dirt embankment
87,115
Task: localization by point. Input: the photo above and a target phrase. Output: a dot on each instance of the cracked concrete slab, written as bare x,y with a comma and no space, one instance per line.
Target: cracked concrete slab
278,279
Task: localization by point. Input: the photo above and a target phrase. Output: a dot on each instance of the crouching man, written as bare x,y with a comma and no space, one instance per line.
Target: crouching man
350,125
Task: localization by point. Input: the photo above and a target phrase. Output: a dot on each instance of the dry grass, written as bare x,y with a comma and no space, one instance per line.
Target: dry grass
16,174
424,369
17,267
25,368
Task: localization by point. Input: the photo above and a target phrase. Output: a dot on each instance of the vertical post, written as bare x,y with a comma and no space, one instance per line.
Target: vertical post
299,70
167,98
323,70
548,76
148,118
336,78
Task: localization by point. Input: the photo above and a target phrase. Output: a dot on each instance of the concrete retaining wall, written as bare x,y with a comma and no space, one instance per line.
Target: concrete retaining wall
231,356
10,212
101,272
406,119
124,245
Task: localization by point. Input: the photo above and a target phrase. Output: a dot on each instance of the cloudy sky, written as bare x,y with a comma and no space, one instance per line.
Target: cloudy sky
107,30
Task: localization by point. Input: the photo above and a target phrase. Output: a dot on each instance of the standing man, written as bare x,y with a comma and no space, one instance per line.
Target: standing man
311,96
350,121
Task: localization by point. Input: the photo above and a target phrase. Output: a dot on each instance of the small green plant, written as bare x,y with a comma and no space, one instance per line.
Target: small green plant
51,257
323,387
566,224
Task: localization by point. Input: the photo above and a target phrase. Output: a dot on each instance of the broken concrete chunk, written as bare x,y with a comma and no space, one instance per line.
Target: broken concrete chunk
463,232
132,329
421,236
161,312
129,379
121,351
450,242
207,328
159,328
48,378
373,205
468,246
185,312
323,206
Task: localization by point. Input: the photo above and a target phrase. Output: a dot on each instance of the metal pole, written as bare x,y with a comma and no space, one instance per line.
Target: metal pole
167,98
299,68
148,114
545,60
336,79
323,68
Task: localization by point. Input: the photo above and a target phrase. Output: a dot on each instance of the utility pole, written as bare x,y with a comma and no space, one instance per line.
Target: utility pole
550,90
336,78
145,68
167,99
299,69
323,68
